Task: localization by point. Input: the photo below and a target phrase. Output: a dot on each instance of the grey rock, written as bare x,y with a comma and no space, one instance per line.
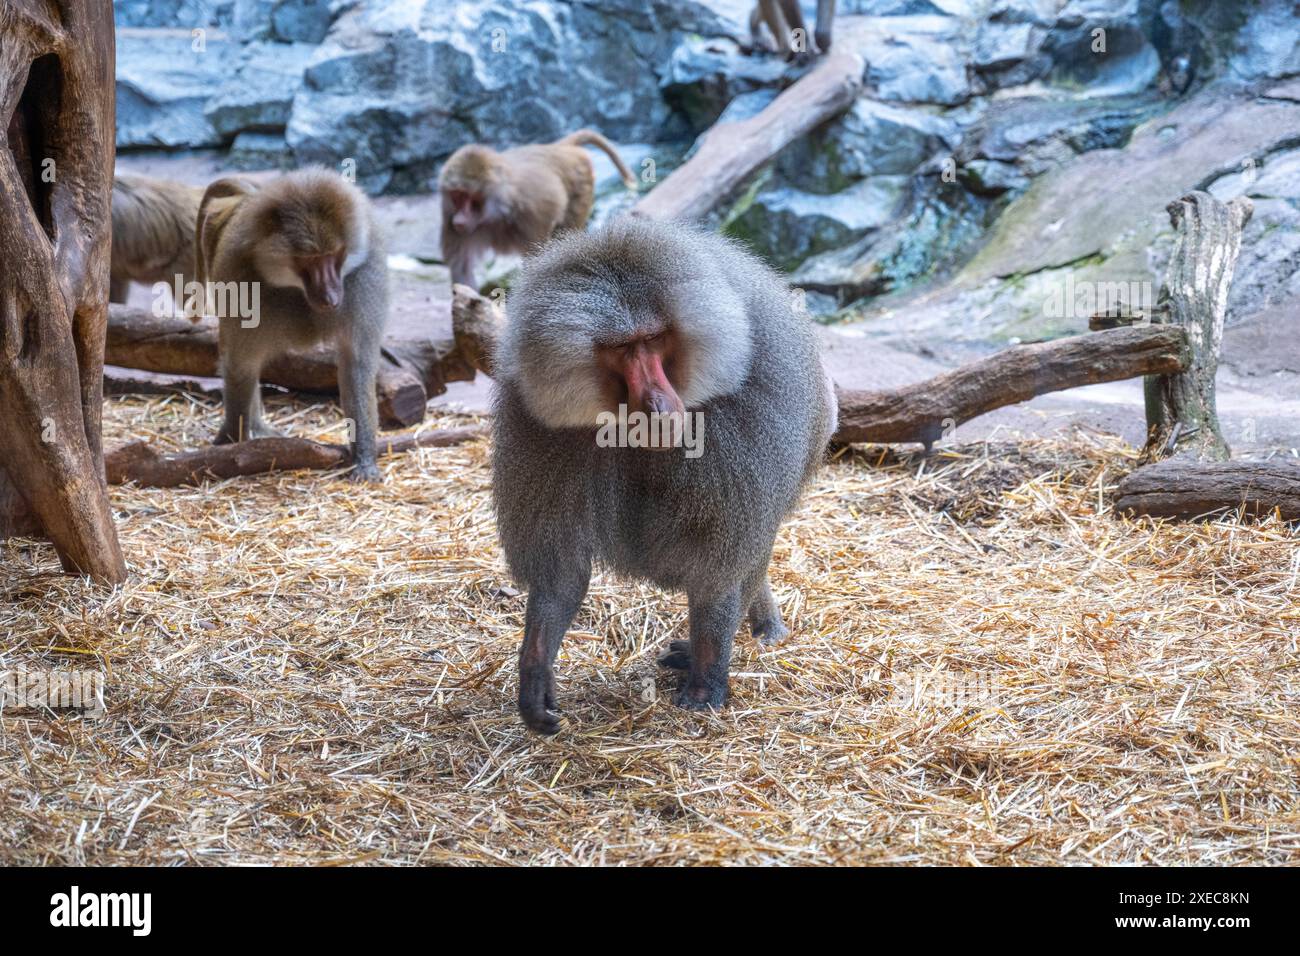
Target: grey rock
706,78
942,222
302,21
989,177
163,83
1039,132
1001,45
253,150
871,139
260,94
1099,47
899,8
1074,212
1043,13
786,226
1277,177
1268,269
397,88
252,20
177,14
914,59
746,106
1268,45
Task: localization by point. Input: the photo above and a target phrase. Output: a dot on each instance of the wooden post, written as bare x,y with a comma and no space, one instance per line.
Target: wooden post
56,171
1181,414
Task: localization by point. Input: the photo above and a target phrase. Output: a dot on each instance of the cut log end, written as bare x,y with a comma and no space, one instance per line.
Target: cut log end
476,324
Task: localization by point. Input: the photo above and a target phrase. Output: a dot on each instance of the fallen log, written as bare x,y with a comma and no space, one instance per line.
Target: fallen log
729,154
1187,488
141,464
925,411
130,381
139,339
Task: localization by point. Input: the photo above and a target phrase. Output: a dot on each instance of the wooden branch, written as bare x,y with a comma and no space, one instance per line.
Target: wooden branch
729,154
924,411
138,339
127,381
1184,487
921,412
1181,413
56,101
139,463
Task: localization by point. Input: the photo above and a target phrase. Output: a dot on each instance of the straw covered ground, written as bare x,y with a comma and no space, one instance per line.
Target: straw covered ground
987,666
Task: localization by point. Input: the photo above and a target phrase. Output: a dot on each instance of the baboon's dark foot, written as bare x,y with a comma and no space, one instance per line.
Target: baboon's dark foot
771,632
540,720
677,657
225,437
365,472
537,703
701,695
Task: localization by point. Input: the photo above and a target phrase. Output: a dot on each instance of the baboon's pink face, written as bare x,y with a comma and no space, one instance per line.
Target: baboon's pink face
640,372
466,210
322,279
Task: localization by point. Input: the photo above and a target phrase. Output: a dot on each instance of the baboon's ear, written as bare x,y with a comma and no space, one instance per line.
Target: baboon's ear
219,202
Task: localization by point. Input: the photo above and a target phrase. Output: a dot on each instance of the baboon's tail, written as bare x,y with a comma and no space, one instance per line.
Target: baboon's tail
589,137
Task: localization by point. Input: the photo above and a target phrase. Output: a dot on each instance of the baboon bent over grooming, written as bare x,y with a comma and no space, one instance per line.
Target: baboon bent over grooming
153,233
308,242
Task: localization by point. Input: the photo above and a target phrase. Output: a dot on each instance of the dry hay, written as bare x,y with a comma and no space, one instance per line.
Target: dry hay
301,671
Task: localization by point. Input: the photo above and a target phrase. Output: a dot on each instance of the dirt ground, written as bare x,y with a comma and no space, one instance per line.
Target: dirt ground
986,667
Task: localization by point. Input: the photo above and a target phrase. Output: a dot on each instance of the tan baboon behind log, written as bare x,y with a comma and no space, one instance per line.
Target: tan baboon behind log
153,233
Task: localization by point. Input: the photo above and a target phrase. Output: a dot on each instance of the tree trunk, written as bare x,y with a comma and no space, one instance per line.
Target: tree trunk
1181,414
1190,475
57,109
